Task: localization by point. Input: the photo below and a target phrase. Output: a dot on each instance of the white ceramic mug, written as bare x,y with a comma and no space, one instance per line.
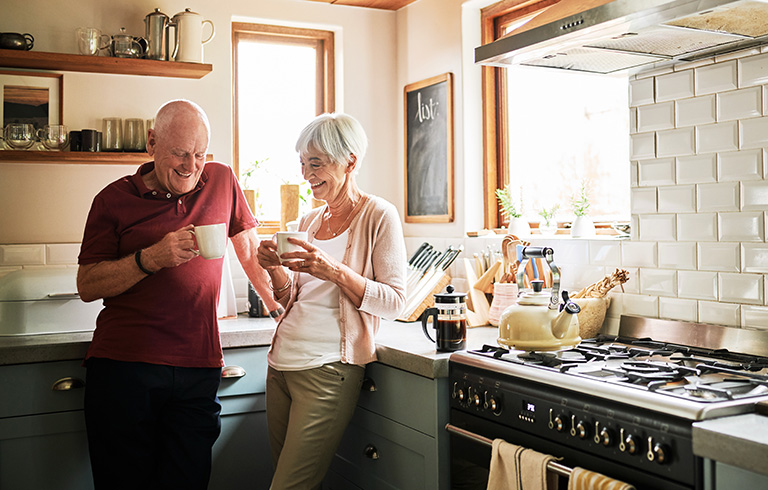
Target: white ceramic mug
211,240
284,246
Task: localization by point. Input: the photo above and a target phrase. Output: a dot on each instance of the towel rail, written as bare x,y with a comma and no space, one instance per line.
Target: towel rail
552,466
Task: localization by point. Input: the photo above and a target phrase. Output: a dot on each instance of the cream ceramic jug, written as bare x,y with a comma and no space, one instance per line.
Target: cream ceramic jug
189,36
538,322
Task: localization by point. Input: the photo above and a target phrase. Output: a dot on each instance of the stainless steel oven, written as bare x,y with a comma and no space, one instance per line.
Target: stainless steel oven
619,405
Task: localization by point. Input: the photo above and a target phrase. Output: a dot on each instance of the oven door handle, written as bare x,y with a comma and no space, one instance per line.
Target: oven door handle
552,466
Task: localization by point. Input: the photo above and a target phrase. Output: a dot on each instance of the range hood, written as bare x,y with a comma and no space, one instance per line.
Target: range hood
604,36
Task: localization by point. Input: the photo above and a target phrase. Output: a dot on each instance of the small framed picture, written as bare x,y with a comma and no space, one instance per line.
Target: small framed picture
31,97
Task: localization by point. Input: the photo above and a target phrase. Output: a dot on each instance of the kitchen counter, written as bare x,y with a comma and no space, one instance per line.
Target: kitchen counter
740,440
400,345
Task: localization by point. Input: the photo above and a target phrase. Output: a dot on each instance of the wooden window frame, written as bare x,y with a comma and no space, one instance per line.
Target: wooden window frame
494,19
323,43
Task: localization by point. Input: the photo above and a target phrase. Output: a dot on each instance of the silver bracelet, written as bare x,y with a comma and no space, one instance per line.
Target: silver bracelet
280,290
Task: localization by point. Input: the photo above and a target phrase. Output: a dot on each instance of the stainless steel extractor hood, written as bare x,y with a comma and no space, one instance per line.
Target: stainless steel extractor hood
604,36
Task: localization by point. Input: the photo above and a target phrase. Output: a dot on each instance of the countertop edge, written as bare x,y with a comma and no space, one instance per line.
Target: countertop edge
740,440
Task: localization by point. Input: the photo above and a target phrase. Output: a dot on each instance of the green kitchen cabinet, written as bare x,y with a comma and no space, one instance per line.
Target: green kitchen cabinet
43,442
397,436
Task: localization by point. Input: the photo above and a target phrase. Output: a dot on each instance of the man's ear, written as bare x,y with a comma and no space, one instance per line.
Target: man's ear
151,142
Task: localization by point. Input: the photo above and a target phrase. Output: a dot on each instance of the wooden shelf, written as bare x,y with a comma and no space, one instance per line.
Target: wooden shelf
38,60
74,157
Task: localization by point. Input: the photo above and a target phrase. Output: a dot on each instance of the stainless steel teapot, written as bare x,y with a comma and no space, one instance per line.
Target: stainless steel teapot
539,322
156,31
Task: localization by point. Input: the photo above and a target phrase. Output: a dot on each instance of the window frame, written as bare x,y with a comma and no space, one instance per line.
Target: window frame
494,20
324,44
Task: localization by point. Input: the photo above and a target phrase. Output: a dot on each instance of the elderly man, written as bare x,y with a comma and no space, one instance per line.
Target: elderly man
154,366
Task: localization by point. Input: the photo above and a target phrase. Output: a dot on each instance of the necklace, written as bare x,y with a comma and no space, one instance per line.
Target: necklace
327,217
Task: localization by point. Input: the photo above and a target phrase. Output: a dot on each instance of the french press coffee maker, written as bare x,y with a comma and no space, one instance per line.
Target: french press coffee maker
449,318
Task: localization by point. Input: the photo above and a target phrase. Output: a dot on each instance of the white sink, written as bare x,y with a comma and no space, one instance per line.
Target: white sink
43,301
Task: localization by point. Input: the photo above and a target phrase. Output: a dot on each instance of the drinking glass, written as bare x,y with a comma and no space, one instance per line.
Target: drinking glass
19,136
54,136
90,40
112,130
133,135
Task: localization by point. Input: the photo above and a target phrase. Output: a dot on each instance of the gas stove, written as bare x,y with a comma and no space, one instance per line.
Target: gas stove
622,405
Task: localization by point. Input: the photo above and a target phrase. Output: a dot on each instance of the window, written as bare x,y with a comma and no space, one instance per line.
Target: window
549,131
283,78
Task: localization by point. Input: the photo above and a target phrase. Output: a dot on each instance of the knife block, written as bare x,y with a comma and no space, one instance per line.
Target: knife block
429,299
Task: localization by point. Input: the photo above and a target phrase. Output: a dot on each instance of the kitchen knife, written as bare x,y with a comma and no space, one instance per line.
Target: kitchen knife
418,262
430,279
423,269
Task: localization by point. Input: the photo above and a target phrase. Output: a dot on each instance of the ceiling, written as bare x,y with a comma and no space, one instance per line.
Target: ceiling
376,4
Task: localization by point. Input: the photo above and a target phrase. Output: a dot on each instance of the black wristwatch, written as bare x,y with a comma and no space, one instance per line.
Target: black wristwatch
137,256
276,313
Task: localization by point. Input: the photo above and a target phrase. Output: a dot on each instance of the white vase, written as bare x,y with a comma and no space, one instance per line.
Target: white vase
519,227
582,227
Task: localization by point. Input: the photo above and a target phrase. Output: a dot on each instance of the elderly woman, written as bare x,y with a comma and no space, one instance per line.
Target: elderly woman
348,275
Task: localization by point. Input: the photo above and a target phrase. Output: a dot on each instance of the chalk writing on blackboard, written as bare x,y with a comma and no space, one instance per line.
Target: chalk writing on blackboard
429,159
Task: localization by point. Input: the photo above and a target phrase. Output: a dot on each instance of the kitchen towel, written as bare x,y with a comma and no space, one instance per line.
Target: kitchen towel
517,468
582,479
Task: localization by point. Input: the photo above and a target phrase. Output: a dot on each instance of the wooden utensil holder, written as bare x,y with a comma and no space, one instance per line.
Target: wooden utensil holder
429,299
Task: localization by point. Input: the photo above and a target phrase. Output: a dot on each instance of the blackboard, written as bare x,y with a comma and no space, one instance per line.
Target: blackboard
429,150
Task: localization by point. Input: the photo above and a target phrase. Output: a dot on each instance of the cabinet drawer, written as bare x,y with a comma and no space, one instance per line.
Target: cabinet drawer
404,458
28,389
408,398
253,361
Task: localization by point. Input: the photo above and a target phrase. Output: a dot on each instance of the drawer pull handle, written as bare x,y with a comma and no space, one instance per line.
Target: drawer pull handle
68,383
369,385
371,452
232,372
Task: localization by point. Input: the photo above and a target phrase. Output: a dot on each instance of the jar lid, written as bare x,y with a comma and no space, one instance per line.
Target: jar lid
449,296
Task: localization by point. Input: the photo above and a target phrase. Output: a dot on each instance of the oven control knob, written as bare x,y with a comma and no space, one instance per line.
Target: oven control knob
492,403
461,395
658,452
478,402
559,423
581,430
605,437
630,444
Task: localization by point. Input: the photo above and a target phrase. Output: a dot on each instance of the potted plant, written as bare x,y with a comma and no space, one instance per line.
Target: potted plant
250,189
518,226
582,226
548,226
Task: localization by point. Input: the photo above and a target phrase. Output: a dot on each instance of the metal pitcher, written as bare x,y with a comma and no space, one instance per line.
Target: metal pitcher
156,31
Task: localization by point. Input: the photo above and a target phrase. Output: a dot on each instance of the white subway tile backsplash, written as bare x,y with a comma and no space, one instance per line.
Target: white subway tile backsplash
633,174
753,70
571,252
723,196
697,285
742,288
753,133
62,253
632,120
700,227
658,227
640,305
685,310
659,282
715,78
719,256
698,110
719,313
733,55
677,255
740,104
675,142
677,199
717,137
656,172
754,257
754,196
639,254
643,200
633,284
641,92
656,116
604,253
11,255
741,227
696,169
674,86
642,145
740,165
754,317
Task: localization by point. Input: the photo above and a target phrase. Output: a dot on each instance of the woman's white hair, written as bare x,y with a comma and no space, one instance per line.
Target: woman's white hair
337,135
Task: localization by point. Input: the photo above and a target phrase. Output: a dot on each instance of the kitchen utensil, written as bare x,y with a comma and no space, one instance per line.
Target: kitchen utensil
19,136
449,319
504,296
156,31
134,137
479,316
126,46
90,40
54,136
14,40
189,36
485,283
112,133
538,322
